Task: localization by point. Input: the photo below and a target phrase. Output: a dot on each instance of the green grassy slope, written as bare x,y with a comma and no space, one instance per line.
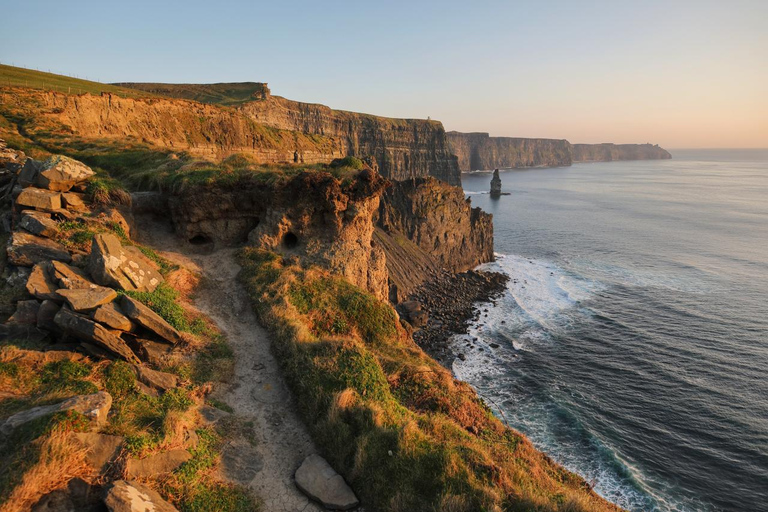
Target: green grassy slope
218,94
11,76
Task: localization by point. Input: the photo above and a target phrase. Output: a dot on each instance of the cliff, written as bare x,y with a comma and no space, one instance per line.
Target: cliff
402,148
610,152
438,220
480,151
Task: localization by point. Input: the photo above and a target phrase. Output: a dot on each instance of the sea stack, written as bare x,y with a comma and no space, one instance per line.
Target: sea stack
496,185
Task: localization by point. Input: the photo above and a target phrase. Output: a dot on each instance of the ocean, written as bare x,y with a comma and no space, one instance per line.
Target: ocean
633,335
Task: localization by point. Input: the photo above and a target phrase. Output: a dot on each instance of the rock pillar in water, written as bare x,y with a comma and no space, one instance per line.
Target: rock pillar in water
496,185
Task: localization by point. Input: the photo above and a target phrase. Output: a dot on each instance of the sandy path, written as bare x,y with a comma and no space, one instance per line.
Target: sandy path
257,392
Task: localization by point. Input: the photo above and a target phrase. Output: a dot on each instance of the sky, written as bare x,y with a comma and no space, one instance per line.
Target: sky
678,73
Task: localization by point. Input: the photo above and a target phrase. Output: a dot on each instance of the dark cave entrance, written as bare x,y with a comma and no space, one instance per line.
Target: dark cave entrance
290,240
201,240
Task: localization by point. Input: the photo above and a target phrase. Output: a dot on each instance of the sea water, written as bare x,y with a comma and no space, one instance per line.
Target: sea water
633,336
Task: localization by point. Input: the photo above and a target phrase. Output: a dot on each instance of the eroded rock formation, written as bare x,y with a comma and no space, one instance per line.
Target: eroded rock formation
610,152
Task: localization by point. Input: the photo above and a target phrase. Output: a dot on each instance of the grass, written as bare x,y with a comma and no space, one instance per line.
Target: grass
11,76
164,301
400,429
230,94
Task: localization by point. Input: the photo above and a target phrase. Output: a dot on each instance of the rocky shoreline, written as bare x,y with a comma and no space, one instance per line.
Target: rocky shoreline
446,305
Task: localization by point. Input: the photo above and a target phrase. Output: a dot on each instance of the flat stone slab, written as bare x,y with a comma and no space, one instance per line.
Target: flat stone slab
159,381
241,461
61,173
39,198
38,223
148,319
112,316
102,449
70,277
39,283
88,299
156,465
25,250
126,496
83,328
112,264
95,407
318,480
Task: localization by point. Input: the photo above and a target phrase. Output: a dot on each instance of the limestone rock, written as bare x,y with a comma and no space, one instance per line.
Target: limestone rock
102,449
26,312
25,250
148,319
22,332
73,201
95,407
70,277
61,173
496,184
155,465
38,223
86,329
111,264
46,314
87,299
121,216
40,285
318,480
39,198
28,174
159,381
112,316
125,496
152,351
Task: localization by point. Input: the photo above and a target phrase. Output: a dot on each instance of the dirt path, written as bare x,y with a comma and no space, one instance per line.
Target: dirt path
257,392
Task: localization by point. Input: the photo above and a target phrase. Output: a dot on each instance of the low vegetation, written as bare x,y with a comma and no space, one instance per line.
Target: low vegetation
402,431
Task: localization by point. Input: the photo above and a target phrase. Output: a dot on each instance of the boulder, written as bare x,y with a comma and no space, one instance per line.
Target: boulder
61,173
112,316
70,277
26,312
30,171
83,328
39,198
156,465
318,480
88,299
111,264
101,449
46,314
38,223
152,351
159,381
39,283
148,319
22,333
124,496
95,407
25,250
74,202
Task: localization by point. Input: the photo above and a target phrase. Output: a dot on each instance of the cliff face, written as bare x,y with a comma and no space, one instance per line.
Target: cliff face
312,217
403,148
611,152
479,151
440,222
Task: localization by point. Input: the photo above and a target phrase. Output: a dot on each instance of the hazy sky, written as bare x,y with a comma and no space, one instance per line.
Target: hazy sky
677,73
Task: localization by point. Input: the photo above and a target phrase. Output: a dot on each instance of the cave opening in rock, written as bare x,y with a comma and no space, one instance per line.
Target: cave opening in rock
200,240
290,240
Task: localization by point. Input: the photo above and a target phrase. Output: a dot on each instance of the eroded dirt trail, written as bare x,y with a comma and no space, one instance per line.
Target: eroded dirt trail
257,391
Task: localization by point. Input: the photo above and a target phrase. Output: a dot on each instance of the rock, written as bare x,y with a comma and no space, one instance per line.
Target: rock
160,381
148,319
111,264
26,312
85,329
241,461
102,449
28,174
25,250
119,216
88,299
69,277
152,351
496,185
22,333
38,223
46,314
39,198
95,407
61,173
156,465
125,496
55,501
213,414
318,480
74,202
112,316
39,283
